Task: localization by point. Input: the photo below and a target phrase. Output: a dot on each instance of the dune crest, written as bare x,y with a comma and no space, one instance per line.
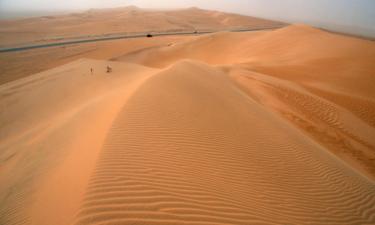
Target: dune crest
319,81
268,127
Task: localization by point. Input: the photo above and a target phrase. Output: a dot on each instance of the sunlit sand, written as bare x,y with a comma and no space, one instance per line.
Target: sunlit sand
268,127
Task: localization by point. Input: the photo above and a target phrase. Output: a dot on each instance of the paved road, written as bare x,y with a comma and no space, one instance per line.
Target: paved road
115,37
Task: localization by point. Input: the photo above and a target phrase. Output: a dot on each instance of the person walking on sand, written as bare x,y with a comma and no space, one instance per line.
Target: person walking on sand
109,69
92,71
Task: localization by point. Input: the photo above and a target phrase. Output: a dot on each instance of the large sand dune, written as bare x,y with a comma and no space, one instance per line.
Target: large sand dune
271,127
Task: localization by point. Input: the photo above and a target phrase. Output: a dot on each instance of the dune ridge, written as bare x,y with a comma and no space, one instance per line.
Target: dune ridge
230,128
292,69
162,166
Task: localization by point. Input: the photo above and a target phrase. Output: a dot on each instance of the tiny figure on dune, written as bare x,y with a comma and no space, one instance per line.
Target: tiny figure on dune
109,69
92,71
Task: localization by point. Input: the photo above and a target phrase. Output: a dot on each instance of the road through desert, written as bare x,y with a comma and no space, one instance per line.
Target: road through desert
268,127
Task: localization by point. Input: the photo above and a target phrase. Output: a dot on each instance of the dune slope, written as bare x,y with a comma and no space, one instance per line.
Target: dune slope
321,82
53,127
231,128
188,148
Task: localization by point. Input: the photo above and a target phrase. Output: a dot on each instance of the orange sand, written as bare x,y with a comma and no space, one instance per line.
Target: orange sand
127,20
271,127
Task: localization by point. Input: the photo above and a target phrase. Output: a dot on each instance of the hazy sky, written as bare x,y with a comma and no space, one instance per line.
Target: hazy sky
341,14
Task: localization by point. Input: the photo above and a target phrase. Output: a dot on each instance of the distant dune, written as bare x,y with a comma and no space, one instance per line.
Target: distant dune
130,19
270,127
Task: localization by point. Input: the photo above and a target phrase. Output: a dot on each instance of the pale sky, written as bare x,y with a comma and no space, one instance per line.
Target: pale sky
346,15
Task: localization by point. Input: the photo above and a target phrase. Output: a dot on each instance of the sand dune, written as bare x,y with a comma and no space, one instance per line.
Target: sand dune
323,79
269,127
64,111
198,154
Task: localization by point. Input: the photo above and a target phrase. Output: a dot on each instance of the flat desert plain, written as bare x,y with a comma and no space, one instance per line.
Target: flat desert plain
126,20
266,127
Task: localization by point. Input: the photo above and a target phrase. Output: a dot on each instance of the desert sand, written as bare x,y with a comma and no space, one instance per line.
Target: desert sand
270,127
127,20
